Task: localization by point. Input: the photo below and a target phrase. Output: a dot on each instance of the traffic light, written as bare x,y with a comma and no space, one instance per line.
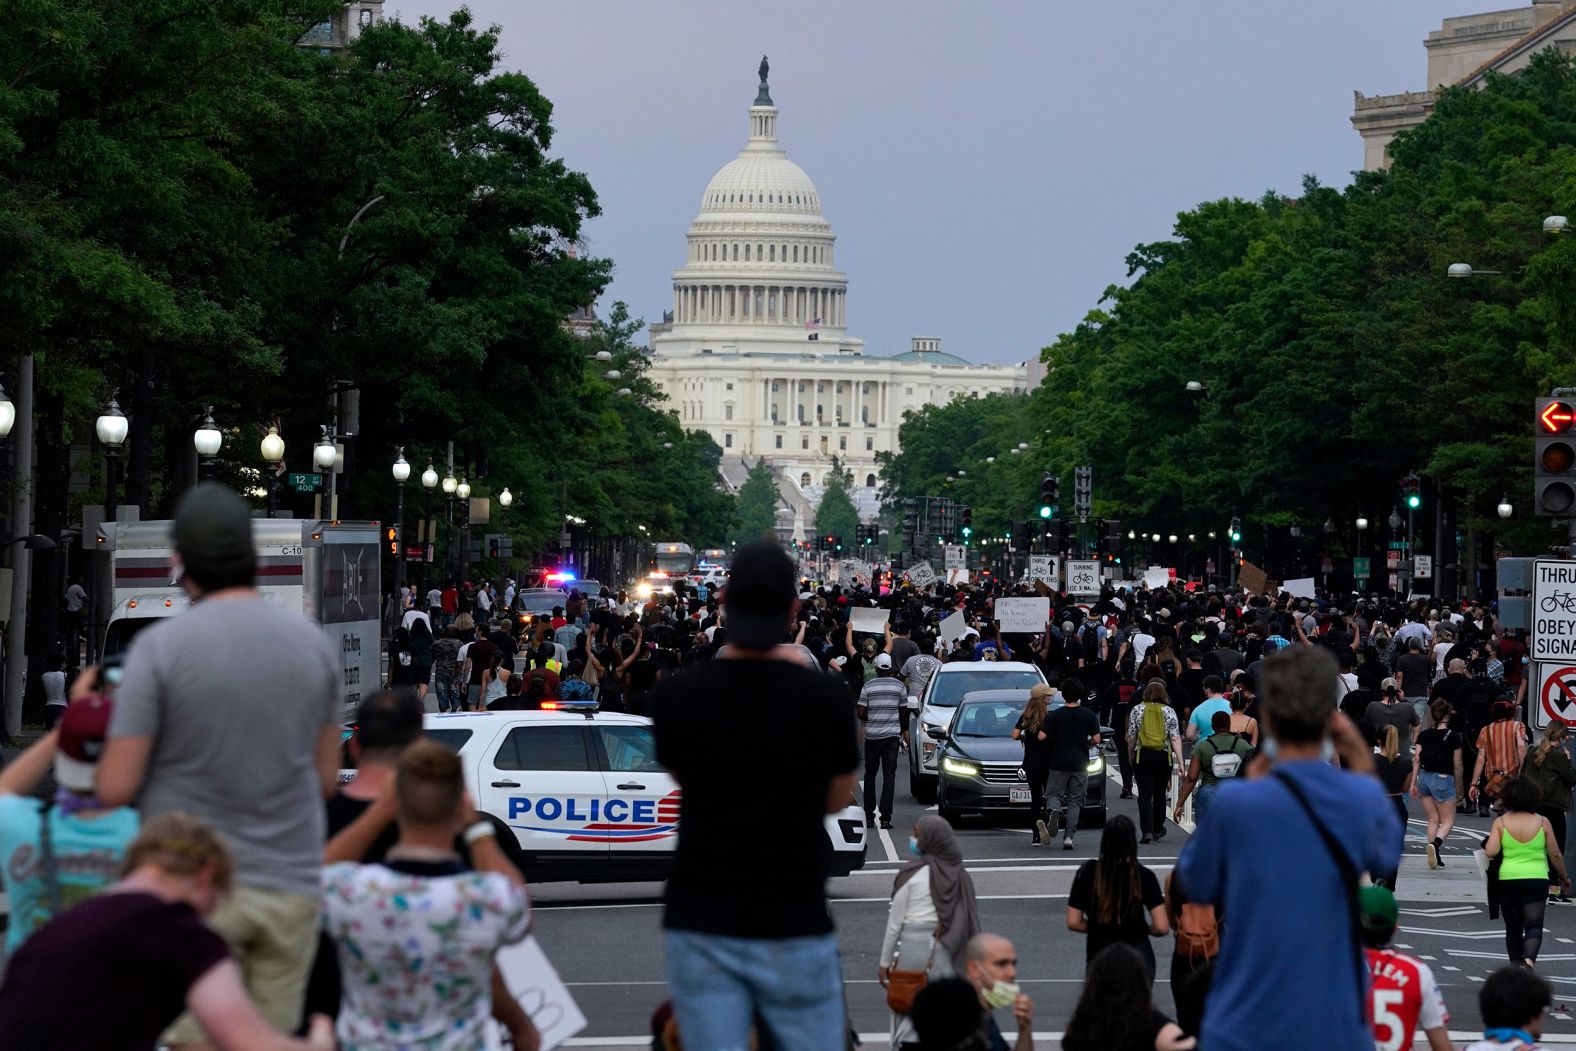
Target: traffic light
834,543
910,522
1110,537
968,522
1236,530
1063,529
1554,482
391,534
1049,489
1411,492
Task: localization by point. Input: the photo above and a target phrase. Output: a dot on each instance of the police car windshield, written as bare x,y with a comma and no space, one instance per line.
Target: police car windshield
987,719
451,739
947,690
541,601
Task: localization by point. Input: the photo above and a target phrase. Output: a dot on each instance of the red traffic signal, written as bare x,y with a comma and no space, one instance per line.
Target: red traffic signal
1556,417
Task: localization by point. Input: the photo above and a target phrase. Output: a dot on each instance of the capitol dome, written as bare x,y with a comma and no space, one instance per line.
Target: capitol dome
760,255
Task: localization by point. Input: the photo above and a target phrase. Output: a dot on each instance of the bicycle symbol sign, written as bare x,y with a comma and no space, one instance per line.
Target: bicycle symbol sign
1554,610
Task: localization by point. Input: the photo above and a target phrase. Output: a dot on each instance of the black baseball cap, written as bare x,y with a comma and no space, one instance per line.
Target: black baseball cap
762,586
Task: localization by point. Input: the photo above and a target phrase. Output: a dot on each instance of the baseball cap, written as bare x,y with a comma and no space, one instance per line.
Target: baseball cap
1376,908
213,530
884,661
82,732
1388,684
761,590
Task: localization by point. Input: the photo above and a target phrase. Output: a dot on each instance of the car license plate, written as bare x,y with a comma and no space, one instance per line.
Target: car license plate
1018,795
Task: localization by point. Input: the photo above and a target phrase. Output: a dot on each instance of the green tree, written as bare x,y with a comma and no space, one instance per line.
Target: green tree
756,514
836,515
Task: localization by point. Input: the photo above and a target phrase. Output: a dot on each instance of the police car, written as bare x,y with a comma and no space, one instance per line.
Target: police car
582,796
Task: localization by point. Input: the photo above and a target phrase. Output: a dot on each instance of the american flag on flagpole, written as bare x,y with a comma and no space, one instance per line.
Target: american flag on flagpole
812,324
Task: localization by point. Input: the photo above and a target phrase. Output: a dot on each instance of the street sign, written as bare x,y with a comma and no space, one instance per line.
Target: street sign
1326,566
1424,567
1392,558
1553,610
1556,693
954,558
1397,545
921,575
1083,577
1360,568
304,482
1043,567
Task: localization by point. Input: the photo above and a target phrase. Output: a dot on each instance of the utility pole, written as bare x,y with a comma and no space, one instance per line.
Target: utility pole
21,557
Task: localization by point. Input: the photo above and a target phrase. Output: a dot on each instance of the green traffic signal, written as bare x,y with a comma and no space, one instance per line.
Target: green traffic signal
968,531
1045,510
1414,501
1235,537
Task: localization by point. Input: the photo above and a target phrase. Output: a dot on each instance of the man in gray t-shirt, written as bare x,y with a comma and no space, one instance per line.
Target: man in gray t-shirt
230,711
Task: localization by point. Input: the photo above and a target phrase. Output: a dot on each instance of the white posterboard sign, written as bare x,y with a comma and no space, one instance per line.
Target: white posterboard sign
1553,610
1083,577
952,626
1043,567
870,621
1425,567
534,982
954,557
1302,587
1025,615
921,575
1157,578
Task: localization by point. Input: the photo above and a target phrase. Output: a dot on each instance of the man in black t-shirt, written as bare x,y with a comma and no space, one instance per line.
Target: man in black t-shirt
1069,731
747,928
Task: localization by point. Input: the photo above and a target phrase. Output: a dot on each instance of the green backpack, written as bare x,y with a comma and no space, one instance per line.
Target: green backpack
1152,728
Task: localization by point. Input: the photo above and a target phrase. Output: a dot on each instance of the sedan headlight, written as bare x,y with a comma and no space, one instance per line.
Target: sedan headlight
962,767
1096,764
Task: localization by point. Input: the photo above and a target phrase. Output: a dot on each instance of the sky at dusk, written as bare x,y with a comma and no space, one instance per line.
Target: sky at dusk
986,166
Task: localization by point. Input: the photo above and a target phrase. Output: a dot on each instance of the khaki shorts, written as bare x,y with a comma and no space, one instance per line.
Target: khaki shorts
273,935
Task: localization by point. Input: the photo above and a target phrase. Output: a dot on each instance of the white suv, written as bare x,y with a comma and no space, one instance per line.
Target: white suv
582,795
942,695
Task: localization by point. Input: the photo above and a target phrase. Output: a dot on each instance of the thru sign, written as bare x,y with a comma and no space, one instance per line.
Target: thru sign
1553,610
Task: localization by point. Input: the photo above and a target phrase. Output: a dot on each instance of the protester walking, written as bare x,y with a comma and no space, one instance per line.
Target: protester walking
1196,926
1115,899
1512,1002
1218,758
1153,736
1030,730
1523,841
1549,768
929,923
1436,770
881,708
1501,748
1403,997
1116,1011
1394,771
1070,731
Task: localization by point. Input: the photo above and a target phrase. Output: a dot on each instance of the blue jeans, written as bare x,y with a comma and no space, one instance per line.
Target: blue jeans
1201,796
719,984
449,693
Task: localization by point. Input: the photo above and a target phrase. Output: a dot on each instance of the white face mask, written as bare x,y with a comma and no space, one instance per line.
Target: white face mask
1001,994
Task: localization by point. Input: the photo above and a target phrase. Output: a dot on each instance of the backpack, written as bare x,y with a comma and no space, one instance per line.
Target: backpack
1479,701
1198,933
1152,728
1226,764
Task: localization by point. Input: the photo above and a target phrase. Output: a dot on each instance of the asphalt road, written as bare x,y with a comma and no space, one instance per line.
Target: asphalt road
606,940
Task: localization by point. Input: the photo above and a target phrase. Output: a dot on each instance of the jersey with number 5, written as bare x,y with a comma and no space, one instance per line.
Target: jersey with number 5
1402,999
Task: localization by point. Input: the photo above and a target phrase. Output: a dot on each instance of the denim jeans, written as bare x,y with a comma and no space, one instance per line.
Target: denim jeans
1201,794
1066,790
448,692
719,984
880,754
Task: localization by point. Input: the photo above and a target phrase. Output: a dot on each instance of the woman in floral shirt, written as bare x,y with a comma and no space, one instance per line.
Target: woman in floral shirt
417,933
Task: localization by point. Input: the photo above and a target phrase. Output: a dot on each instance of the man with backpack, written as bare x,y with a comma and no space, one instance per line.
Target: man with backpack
1218,757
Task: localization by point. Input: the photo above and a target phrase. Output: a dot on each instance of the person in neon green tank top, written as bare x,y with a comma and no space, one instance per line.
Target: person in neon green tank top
1524,842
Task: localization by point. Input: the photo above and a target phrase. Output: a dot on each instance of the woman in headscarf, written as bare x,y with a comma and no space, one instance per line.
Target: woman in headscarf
933,914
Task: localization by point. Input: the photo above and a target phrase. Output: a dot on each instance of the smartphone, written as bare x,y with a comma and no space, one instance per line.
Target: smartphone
110,674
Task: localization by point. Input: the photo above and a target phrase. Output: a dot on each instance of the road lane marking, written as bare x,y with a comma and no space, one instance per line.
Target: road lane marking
886,841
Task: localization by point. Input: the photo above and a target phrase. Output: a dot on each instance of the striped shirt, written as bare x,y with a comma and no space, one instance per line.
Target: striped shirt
883,698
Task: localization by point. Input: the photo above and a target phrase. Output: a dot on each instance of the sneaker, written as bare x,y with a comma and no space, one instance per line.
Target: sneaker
1067,842
1433,855
1160,833
1042,832
1127,793
1439,852
870,821
886,822
1561,899
1147,839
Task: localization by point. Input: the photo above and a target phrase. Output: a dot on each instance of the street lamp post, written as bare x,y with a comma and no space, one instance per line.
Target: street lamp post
463,491
207,440
429,482
401,472
450,484
272,448
325,454
1504,510
112,428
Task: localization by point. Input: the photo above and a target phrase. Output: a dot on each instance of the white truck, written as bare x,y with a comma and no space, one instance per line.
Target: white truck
327,570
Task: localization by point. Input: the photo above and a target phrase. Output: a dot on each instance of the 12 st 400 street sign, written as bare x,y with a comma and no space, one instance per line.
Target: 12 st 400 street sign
1553,610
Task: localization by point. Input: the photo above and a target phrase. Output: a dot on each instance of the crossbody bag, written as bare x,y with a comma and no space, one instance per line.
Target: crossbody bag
904,986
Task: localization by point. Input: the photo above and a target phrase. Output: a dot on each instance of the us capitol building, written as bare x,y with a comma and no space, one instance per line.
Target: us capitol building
756,350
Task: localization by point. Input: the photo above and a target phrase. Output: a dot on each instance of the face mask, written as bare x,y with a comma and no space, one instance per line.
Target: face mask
1001,994
913,846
